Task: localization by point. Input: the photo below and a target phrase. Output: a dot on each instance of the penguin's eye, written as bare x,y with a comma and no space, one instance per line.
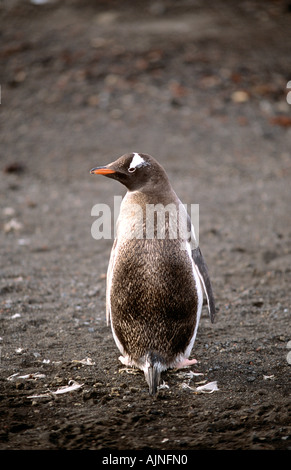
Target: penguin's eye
131,170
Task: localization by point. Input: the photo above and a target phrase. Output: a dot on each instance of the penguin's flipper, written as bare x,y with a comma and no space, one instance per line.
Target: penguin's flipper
205,279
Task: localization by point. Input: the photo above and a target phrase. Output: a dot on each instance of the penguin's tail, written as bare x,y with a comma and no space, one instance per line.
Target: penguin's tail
152,375
152,372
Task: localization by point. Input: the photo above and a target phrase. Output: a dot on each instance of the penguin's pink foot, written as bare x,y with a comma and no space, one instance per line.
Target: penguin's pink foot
185,363
125,360
130,367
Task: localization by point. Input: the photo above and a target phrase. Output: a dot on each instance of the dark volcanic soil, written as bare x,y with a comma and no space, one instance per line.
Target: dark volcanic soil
204,90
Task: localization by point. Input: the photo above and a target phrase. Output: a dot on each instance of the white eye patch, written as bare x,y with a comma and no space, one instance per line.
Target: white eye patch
137,161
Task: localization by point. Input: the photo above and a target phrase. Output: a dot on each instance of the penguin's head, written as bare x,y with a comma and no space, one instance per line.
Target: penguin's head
137,171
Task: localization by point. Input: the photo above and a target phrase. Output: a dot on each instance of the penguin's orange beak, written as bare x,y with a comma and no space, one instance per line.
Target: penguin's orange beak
101,170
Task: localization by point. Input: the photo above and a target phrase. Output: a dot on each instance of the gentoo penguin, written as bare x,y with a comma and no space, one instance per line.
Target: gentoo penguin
156,275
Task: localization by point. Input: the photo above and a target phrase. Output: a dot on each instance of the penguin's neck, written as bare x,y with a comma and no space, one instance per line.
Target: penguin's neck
134,221
145,197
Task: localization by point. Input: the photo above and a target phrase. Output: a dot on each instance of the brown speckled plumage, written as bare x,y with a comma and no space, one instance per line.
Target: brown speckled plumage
155,308
154,287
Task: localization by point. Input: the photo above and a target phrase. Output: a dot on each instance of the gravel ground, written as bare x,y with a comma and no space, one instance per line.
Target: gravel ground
204,90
